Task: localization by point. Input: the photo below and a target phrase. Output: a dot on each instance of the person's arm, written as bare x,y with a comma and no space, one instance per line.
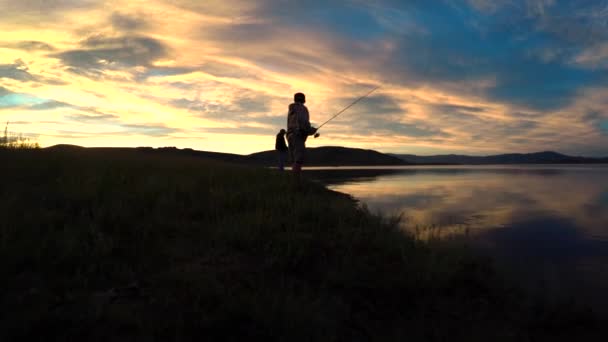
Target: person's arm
305,122
292,118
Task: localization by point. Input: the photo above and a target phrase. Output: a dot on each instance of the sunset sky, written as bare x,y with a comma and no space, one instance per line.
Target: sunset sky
473,77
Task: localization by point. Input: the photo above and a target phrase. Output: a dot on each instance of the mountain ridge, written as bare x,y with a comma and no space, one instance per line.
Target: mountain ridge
543,157
346,156
336,156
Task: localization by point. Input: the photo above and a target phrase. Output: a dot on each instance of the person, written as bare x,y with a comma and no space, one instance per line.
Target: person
298,130
281,148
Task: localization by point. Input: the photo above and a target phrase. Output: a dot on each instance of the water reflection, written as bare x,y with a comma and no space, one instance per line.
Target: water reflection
483,198
550,221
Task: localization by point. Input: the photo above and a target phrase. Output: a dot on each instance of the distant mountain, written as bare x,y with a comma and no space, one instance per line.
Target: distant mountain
546,157
225,157
65,147
333,156
321,156
344,156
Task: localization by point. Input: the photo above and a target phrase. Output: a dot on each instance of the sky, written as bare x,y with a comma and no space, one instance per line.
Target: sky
472,77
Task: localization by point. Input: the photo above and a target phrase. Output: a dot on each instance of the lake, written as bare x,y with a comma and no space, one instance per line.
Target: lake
547,223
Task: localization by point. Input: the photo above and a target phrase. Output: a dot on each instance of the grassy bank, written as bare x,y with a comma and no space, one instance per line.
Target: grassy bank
130,245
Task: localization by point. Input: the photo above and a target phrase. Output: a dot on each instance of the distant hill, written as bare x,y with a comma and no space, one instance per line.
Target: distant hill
65,147
546,157
225,157
333,156
321,156
344,156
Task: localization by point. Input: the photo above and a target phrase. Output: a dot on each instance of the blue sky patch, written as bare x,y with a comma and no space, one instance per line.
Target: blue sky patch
17,100
604,126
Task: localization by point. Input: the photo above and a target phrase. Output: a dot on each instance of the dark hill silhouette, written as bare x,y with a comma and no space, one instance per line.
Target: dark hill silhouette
344,156
333,156
225,157
546,157
320,156
65,147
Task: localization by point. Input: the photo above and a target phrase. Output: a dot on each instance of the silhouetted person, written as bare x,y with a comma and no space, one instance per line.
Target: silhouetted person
281,148
298,130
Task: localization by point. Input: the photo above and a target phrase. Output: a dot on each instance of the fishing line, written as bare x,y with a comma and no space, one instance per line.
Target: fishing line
346,108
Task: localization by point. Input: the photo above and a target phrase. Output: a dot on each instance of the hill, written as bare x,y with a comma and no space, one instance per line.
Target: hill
165,151
320,156
546,157
345,156
333,156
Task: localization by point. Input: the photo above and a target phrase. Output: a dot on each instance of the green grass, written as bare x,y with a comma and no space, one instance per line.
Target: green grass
126,245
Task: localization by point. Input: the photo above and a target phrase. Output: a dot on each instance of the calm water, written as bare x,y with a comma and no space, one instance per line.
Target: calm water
548,223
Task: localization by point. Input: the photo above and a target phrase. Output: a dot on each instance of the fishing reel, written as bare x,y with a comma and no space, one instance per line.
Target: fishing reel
317,135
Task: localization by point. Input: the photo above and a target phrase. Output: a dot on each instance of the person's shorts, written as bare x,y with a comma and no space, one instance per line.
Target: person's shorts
297,148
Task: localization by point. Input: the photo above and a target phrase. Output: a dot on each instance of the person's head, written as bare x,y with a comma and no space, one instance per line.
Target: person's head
282,131
299,98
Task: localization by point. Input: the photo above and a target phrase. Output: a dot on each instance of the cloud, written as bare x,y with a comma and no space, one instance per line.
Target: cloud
459,108
487,6
4,91
92,118
34,122
17,71
52,104
28,45
376,105
36,7
226,70
405,129
154,130
110,120
245,107
125,22
382,115
99,53
156,71
595,57
110,124
243,130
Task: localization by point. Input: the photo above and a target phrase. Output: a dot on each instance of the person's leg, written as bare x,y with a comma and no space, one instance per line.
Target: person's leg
297,169
298,154
291,148
281,161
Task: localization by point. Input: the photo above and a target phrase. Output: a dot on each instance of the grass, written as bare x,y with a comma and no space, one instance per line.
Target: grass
138,246
11,141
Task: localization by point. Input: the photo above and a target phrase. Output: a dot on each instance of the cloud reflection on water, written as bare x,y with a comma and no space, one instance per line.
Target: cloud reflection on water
549,223
482,198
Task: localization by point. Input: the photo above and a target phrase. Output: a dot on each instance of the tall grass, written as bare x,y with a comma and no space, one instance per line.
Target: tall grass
126,245
11,141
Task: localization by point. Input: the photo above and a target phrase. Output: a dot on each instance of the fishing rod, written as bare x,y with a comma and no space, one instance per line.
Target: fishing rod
346,108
